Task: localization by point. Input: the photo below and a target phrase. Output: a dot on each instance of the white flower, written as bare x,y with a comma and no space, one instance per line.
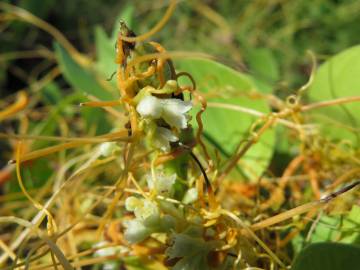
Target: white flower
172,110
163,183
135,231
150,106
132,202
162,138
143,209
190,196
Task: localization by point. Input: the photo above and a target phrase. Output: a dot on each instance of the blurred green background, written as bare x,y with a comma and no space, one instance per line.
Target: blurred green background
265,38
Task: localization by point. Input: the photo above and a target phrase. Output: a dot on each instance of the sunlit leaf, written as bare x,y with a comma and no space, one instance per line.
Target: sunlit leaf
80,78
105,53
226,128
340,228
264,67
339,77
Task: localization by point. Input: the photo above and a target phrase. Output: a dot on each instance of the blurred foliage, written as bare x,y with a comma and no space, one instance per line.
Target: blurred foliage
259,48
254,36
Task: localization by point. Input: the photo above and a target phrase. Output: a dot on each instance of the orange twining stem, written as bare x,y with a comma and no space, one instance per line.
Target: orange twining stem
163,55
277,196
116,136
295,231
170,156
199,132
20,104
161,63
203,102
120,56
101,103
314,182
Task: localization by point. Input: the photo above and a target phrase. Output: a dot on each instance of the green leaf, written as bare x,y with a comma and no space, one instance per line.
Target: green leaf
225,128
336,78
264,66
105,52
329,256
80,78
351,234
340,228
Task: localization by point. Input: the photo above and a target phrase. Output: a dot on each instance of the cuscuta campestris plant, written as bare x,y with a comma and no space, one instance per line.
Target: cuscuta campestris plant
189,227
171,210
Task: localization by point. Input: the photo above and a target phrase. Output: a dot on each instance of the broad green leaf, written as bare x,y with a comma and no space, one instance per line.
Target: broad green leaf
105,52
340,228
336,78
351,233
264,67
80,78
329,256
225,128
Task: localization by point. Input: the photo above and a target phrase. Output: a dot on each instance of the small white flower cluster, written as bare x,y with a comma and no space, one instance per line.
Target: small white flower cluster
171,110
148,219
146,213
162,183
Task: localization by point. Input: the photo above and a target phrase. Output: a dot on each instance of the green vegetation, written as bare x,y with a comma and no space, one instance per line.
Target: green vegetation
179,135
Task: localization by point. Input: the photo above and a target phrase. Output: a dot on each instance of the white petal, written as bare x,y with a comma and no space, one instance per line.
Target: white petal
135,231
167,134
163,137
161,143
174,112
175,120
149,209
190,196
175,105
149,181
150,106
164,183
131,203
